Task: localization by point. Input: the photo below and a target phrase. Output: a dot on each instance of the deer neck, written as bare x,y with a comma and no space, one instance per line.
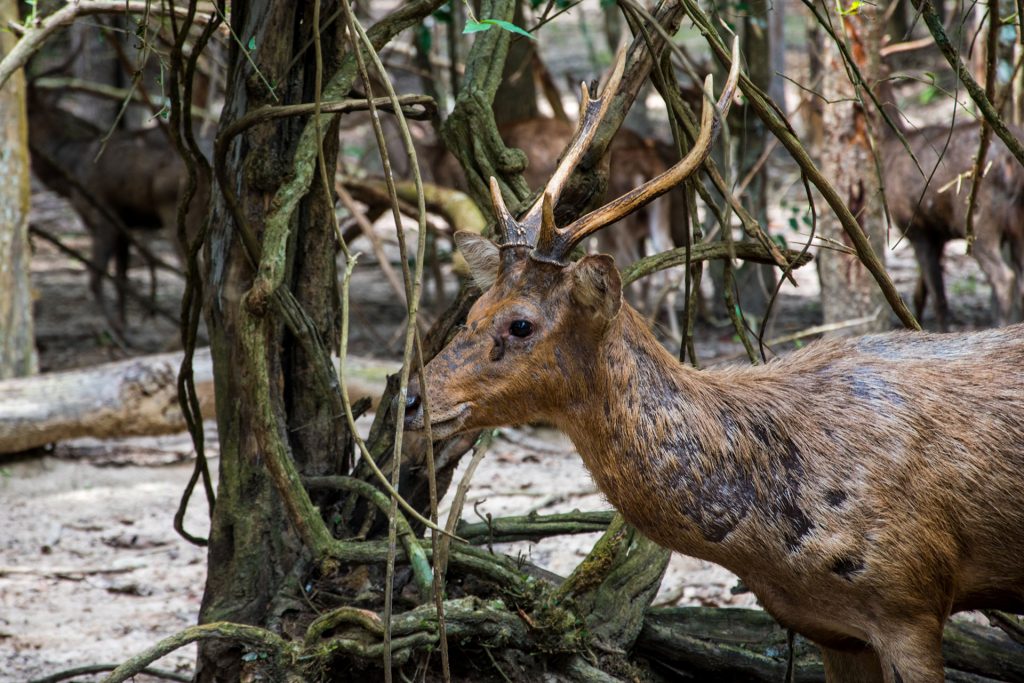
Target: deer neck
679,452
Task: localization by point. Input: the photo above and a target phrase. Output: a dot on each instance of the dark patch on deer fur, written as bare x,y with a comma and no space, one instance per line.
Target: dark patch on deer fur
868,385
835,497
846,567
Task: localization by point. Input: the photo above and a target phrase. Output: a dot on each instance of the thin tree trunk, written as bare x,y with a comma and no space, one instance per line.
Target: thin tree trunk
516,99
17,341
847,289
754,281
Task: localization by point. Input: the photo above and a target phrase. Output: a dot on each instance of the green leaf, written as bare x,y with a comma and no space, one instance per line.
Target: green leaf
251,45
424,38
476,26
510,27
486,24
928,94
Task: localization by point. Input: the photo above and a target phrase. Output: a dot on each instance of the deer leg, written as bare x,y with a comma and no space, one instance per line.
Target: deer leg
913,654
929,262
920,296
843,666
661,241
121,277
1000,276
104,245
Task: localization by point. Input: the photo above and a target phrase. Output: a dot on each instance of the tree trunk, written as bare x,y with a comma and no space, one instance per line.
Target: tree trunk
17,341
517,95
755,282
847,289
254,554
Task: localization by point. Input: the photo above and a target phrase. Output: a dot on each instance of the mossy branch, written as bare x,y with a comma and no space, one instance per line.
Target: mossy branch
977,93
745,251
252,636
534,527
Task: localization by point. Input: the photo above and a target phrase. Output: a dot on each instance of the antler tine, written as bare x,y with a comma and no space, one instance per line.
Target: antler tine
592,111
510,232
565,239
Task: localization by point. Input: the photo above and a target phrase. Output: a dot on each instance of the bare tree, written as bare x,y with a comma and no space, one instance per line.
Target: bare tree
17,341
847,289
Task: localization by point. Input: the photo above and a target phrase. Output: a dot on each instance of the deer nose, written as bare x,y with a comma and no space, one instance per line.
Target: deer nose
413,403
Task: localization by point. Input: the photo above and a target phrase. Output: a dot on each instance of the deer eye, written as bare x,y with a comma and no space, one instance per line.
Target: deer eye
520,328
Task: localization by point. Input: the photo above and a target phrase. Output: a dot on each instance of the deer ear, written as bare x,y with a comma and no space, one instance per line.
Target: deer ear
481,255
597,285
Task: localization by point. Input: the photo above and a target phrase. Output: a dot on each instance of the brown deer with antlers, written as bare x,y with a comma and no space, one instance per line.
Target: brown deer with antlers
864,489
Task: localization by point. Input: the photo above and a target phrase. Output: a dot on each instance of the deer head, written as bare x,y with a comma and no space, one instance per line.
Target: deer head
524,352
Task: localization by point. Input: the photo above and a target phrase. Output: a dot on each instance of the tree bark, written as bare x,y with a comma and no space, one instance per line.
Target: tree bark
516,99
17,341
847,288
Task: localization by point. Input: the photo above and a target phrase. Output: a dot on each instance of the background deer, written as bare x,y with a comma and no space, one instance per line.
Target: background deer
133,177
631,160
929,204
856,499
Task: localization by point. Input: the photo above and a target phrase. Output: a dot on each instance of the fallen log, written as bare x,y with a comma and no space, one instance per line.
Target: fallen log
135,397
748,645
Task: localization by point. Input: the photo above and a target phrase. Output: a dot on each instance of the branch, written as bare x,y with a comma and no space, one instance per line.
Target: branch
252,636
417,558
746,251
934,24
33,38
534,527
100,668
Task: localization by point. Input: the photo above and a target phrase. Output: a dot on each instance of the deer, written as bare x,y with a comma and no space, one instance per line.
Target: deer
863,488
136,180
931,211
927,201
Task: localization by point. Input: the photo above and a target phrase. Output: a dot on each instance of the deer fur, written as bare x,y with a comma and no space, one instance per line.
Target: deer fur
864,489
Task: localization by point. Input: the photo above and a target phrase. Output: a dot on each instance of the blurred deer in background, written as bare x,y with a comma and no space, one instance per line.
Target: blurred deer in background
631,160
864,489
135,181
929,204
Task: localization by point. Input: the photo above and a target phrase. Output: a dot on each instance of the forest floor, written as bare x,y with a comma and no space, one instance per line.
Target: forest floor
91,570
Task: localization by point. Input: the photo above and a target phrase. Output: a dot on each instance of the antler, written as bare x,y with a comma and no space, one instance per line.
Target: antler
555,244
524,233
